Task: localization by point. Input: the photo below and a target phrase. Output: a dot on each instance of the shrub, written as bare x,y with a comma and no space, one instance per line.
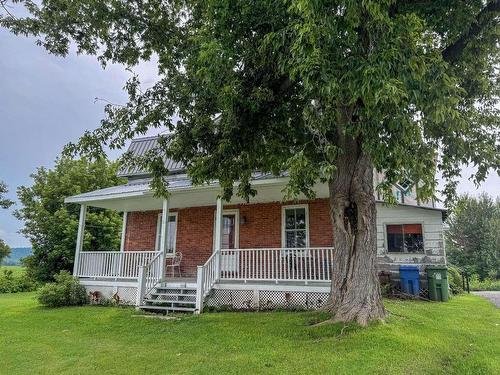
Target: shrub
11,283
455,280
66,291
486,284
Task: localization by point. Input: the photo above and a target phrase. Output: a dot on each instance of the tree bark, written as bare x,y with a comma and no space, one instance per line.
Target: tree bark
355,290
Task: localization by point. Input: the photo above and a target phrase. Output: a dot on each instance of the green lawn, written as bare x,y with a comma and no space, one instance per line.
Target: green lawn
459,337
17,270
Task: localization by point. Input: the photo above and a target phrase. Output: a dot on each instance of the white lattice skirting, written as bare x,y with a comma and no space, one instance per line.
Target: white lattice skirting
227,299
128,295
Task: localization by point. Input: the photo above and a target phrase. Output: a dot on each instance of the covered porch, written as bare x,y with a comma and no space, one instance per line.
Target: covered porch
222,243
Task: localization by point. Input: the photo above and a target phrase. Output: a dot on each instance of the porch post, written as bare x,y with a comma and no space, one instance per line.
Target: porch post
124,231
164,236
218,235
79,238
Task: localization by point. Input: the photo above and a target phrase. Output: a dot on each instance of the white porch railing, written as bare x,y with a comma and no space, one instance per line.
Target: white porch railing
113,264
207,276
277,264
150,275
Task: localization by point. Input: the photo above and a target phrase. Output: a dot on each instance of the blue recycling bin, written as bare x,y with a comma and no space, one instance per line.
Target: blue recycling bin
410,279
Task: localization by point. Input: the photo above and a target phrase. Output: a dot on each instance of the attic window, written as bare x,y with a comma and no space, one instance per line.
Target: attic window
405,184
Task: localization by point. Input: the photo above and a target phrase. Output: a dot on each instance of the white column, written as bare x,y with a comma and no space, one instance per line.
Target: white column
164,236
218,225
79,237
218,237
124,231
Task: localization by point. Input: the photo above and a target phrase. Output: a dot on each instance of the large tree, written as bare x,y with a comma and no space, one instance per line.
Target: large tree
473,236
325,90
51,225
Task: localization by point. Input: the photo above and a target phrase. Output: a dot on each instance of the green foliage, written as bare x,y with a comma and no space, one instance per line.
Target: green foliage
455,280
4,250
4,202
277,85
14,282
51,225
66,291
473,241
487,284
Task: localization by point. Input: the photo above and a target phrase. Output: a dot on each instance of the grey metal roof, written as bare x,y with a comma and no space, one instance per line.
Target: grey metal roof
139,147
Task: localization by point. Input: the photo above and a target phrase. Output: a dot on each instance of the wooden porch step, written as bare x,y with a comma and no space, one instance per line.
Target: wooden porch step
185,297
166,308
177,302
175,288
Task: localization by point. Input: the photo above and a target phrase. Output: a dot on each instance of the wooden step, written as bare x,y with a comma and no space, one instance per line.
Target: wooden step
178,297
166,308
181,302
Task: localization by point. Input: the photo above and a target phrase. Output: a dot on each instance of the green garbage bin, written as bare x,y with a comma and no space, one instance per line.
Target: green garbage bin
437,278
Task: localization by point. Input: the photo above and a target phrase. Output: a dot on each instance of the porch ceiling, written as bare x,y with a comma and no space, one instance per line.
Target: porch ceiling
139,197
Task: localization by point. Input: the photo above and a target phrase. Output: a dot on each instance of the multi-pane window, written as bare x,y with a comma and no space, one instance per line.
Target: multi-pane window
295,227
405,238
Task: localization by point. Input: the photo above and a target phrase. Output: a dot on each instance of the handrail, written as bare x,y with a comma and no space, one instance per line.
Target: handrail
207,275
150,275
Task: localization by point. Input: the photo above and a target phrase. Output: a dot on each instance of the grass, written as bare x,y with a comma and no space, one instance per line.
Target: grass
458,337
17,270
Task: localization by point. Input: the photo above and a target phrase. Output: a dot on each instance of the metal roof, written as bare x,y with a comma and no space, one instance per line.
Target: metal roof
139,147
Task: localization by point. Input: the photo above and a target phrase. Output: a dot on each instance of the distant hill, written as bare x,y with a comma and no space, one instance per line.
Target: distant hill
15,256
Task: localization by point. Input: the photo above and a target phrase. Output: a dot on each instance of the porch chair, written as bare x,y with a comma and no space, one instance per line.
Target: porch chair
176,262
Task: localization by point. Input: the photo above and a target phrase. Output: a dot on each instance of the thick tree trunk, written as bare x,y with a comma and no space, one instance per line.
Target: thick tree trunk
355,293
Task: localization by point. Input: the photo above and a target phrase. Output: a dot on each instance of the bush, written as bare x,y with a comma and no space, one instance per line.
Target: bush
486,284
10,283
66,291
455,280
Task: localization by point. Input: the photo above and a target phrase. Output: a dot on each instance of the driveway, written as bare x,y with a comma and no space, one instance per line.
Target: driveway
492,296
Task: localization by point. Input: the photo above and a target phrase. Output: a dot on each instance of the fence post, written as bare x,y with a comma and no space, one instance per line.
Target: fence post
141,285
199,289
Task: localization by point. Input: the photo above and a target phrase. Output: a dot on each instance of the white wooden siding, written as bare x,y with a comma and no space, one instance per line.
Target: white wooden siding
432,226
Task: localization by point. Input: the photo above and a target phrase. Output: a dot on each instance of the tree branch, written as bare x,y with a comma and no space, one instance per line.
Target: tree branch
453,52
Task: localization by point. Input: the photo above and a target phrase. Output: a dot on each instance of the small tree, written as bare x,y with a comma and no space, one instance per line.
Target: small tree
4,250
4,203
51,225
472,239
324,90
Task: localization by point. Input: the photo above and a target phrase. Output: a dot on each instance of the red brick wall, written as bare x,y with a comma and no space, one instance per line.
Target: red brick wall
262,228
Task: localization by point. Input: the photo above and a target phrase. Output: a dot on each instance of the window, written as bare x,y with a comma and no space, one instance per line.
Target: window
405,238
171,235
295,227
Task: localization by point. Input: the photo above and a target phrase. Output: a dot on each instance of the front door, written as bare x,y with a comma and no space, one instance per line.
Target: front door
230,238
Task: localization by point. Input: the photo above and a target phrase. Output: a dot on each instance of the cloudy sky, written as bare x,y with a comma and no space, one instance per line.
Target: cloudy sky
47,101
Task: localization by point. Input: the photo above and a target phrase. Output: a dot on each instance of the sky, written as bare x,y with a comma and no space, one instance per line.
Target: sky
48,101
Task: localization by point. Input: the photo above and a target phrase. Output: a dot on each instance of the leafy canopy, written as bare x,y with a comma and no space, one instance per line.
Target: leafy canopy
51,225
473,241
272,85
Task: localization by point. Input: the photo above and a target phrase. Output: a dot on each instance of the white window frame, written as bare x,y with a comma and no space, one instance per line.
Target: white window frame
283,225
386,241
158,230
236,213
